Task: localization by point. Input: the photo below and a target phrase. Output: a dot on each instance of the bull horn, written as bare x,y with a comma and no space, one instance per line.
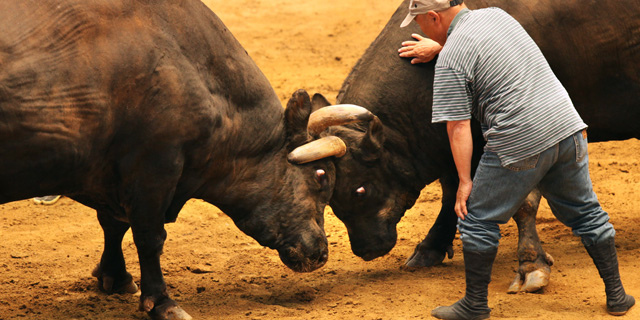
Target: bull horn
318,149
334,115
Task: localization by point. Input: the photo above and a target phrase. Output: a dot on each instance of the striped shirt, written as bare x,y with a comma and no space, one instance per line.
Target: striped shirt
491,69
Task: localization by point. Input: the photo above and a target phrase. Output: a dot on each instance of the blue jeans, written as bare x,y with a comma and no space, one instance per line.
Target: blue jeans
561,173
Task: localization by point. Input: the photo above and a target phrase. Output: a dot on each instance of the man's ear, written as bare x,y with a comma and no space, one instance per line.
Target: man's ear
434,17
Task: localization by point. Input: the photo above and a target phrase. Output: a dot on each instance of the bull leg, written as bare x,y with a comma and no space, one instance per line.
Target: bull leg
111,271
149,236
534,270
149,179
148,196
439,241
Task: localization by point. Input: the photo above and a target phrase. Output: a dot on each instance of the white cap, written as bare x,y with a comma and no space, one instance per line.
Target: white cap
417,7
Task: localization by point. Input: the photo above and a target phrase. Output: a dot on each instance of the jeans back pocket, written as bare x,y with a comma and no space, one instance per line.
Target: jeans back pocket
581,142
524,164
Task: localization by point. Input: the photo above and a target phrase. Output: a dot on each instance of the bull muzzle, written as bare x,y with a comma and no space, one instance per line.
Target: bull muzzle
305,257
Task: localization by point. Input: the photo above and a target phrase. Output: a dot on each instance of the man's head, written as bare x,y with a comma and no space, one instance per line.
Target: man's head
433,16
417,7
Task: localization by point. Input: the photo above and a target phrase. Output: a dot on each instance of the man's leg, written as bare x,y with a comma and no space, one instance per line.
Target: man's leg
569,192
497,194
605,258
474,305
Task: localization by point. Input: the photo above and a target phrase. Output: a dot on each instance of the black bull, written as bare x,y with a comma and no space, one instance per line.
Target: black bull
134,107
592,46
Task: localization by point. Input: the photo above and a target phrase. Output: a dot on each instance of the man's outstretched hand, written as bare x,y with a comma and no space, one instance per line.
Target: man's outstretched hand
423,50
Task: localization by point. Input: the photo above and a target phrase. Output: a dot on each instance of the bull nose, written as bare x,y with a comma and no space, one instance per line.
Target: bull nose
320,258
323,258
304,256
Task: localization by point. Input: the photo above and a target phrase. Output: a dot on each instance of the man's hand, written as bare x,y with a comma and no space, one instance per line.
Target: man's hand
464,190
423,50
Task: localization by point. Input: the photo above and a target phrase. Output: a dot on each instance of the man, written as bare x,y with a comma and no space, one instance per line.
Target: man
489,68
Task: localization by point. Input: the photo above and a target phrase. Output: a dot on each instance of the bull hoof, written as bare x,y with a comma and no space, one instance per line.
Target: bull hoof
516,284
427,257
176,313
533,281
168,310
46,200
111,285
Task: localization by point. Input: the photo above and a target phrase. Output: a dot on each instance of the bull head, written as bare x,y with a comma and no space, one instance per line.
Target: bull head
372,187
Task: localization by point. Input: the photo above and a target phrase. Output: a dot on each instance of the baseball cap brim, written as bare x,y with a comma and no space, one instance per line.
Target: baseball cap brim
407,20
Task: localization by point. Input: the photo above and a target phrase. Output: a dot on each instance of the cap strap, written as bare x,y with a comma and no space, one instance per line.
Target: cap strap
455,2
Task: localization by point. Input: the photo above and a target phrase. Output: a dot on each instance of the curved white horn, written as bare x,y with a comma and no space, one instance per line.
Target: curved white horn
336,115
318,149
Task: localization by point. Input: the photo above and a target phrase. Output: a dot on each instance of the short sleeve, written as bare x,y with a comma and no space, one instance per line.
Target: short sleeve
451,96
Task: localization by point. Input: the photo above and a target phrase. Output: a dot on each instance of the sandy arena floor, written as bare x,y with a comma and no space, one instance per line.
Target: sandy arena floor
216,272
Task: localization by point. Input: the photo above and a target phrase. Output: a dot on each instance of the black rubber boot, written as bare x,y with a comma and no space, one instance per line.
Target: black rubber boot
606,260
473,306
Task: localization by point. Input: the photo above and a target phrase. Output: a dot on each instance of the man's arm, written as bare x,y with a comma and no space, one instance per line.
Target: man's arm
423,50
462,148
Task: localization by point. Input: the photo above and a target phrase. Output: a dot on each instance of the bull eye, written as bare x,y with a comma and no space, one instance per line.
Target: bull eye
361,192
321,175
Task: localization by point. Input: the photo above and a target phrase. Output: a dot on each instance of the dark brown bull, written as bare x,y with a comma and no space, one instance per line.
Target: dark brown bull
592,46
133,107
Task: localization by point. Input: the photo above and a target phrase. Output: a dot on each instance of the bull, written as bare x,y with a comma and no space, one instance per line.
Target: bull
393,157
132,108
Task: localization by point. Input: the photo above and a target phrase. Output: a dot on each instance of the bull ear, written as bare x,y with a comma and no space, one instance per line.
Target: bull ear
370,148
296,117
319,101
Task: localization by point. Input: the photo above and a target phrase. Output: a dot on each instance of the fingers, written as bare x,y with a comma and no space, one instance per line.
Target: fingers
405,49
408,44
461,210
419,59
464,191
423,50
407,54
461,200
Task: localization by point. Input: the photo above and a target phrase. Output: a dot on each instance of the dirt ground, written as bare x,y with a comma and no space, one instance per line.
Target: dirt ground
216,272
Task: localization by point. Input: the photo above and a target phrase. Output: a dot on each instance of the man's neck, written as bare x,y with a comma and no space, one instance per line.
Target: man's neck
449,14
